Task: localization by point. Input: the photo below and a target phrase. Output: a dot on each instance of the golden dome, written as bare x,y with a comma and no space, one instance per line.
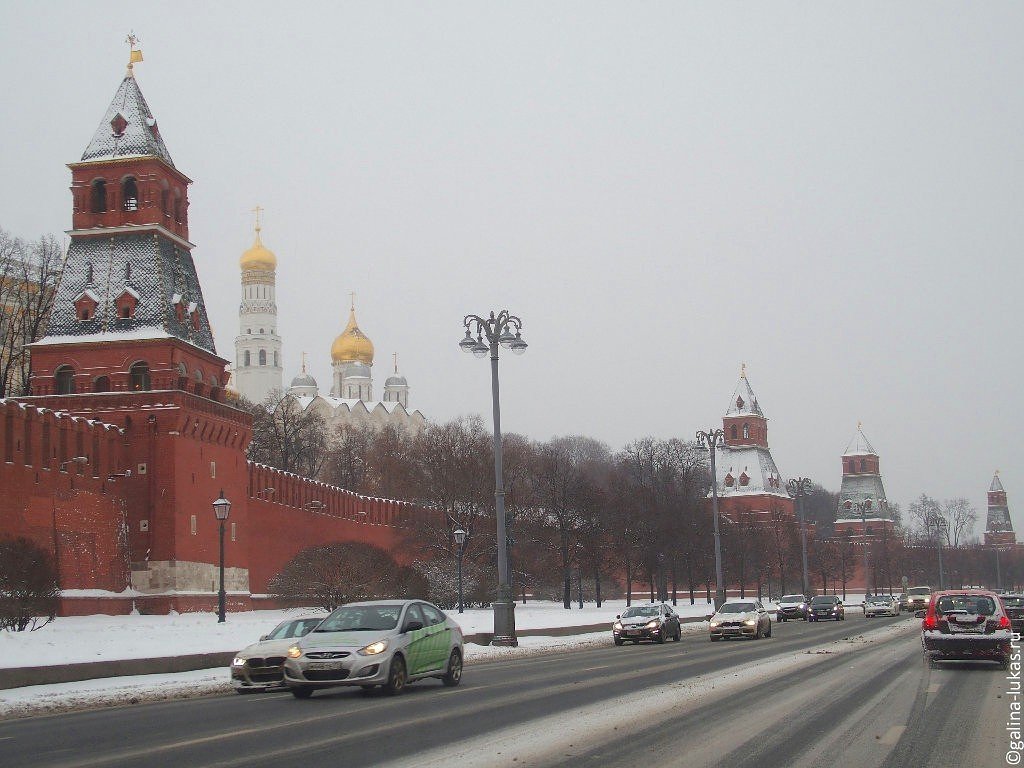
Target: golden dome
352,345
258,257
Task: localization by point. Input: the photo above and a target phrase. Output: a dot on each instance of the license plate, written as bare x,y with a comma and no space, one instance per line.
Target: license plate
632,632
972,628
325,665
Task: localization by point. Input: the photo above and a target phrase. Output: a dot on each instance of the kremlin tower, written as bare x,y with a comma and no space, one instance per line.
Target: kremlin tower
258,370
863,508
998,528
748,480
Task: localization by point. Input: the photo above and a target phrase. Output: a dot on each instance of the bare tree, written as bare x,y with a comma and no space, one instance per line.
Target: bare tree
961,516
29,589
29,273
287,436
334,574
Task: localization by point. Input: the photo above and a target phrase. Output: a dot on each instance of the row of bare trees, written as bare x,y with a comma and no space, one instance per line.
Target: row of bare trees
29,272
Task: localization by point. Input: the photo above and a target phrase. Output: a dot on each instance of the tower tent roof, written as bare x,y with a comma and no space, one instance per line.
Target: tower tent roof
128,129
744,401
997,484
859,445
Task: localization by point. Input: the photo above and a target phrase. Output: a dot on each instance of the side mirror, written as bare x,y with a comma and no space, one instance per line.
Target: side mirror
709,617
263,637
617,616
920,614
412,626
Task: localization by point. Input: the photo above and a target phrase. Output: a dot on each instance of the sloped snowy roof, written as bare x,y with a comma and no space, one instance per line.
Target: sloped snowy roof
763,477
128,129
744,401
859,445
997,484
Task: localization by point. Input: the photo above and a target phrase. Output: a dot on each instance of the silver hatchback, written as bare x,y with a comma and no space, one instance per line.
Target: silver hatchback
387,643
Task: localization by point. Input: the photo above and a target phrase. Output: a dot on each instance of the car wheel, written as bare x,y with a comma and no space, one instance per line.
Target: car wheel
660,639
679,633
715,639
396,676
619,642
782,618
302,693
454,674
769,630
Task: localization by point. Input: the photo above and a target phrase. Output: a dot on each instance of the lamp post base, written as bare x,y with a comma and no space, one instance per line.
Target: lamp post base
505,623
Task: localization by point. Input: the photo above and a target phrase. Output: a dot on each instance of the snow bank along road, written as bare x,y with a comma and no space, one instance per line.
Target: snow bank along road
849,693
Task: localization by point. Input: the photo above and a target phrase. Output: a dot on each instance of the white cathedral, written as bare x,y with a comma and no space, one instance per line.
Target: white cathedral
258,370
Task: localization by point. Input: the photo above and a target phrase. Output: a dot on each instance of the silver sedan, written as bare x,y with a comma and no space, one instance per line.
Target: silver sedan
387,643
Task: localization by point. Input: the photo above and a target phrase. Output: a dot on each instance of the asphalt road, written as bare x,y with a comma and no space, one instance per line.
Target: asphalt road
814,694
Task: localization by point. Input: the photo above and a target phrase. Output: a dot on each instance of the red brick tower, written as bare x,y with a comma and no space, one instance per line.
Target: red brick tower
129,343
999,528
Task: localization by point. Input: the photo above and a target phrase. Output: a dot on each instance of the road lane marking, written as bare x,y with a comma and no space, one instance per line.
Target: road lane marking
893,735
934,688
591,669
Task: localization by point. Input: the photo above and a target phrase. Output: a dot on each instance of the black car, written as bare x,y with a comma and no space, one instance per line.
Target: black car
654,621
1014,605
826,607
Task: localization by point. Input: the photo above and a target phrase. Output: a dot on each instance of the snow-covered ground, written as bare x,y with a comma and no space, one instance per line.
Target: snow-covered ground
105,638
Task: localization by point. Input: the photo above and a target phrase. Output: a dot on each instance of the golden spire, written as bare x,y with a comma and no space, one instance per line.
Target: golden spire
352,345
134,53
352,297
258,210
303,362
859,425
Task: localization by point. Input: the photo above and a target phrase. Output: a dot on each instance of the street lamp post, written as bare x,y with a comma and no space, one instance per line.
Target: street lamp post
221,508
863,507
460,539
799,487
712,440
501,330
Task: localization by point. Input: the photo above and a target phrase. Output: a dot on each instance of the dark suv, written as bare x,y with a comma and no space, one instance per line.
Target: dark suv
1014,605
966,624
825,607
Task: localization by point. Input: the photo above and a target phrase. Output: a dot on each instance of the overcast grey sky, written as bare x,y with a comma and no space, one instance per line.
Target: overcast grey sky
830,192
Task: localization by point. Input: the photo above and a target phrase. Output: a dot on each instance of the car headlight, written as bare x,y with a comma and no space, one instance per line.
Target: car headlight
714,624
237,662
294,652
750,622
617,625
803,605
373,648
653,624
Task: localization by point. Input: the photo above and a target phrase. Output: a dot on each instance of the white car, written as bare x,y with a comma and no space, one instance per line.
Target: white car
741,618
881,605
260,666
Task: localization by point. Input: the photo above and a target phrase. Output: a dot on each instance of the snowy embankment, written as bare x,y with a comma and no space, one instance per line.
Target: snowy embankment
104,638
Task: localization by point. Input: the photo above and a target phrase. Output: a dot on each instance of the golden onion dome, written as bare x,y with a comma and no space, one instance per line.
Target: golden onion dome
258,257
352,345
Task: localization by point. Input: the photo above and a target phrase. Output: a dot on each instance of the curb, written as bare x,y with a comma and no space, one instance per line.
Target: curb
19,677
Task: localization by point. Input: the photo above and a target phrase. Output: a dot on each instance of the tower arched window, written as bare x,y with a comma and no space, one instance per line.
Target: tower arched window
263,357
177,206
139,375
732,431
165,200
65,376
863,465
248,358
746,431
277,363
98,202
129,194
102,384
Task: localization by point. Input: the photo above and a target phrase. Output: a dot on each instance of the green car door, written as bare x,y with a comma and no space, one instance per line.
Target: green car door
416,640
440,637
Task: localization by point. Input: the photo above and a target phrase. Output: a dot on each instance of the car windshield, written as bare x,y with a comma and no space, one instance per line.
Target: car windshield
361,618
823,600
293,628
981,605
640,610
919,591
1014,602
878,599
736,608
792,599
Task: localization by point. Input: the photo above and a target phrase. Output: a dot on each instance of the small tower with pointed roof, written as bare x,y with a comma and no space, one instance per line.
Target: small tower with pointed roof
258,370
396,388
998,528
862,487
749,482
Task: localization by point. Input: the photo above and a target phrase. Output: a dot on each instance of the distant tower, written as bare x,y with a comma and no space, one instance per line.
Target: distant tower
352,360
258,369
862,484
396,388
999,529
748,480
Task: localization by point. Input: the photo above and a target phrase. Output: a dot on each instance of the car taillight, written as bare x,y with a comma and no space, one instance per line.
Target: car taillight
1004,622
929,621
